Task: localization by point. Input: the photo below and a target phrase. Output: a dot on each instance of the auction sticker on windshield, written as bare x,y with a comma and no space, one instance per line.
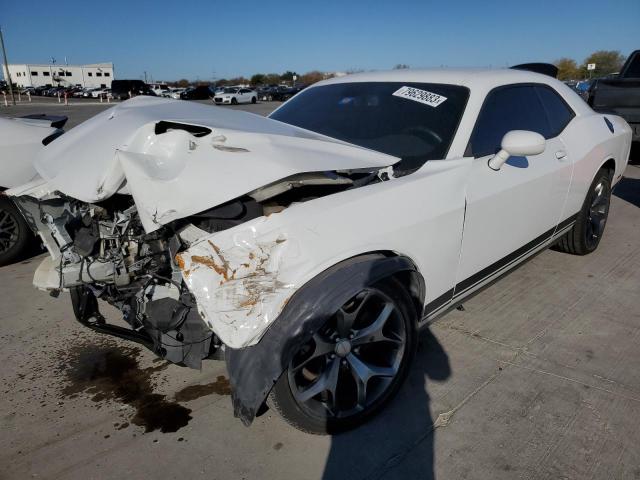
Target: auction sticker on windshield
422,96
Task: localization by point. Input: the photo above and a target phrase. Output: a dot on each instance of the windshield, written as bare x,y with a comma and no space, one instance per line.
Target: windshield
413,121
230,90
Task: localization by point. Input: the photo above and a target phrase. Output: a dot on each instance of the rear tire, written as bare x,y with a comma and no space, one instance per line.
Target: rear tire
330,388
15,235
585,235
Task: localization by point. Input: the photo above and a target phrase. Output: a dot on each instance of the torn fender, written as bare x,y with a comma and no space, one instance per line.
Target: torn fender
238,281
254,370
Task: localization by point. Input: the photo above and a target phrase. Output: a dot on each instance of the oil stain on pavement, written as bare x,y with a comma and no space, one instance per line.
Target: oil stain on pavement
221,387
108,371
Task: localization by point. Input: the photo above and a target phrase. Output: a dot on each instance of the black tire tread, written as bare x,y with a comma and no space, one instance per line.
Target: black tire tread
25,239
281,404
573,241
272,401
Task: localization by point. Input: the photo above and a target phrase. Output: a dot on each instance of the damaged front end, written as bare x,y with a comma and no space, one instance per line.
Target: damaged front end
100,251
188,288
176,220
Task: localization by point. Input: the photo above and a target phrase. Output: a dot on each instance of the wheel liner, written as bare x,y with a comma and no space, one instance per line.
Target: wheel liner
254,370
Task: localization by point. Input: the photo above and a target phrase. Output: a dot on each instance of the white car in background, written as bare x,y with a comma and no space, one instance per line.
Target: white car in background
88,92
174,93
100,92
159,88
235,95
310,246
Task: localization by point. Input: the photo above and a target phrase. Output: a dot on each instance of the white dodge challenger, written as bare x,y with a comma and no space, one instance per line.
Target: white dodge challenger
308,248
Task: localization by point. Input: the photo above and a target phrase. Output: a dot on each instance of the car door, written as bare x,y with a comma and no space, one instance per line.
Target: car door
514,211
244,95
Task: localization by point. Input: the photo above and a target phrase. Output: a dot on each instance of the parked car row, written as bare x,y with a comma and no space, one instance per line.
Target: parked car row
221,95
232,95
74,91
281,93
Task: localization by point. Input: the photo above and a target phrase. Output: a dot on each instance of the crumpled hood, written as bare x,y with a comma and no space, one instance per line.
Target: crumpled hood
173,173
20,141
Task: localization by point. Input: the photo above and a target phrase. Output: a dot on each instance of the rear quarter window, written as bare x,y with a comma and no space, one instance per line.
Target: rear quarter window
559,114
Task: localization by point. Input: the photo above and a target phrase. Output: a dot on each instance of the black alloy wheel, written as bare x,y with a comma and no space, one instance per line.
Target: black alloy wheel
15,235
599,200
353,365
585,235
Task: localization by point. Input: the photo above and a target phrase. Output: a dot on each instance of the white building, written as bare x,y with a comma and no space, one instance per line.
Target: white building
36,75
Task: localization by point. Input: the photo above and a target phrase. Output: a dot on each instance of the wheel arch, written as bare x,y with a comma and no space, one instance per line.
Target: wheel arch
608,164
254,370
412,279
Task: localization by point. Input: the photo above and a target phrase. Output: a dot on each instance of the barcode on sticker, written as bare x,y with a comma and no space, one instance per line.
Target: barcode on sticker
422,96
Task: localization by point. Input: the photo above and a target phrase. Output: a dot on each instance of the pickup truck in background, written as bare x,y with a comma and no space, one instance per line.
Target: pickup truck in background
620,95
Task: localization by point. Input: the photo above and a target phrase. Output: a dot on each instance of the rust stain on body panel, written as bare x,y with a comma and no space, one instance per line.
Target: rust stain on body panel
235,285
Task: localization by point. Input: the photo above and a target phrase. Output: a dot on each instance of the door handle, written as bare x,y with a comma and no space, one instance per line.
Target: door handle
560,154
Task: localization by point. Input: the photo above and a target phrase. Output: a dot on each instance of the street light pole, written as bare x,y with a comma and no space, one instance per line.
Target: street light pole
6,65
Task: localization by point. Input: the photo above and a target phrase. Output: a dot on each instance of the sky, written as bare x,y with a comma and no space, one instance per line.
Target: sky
209,40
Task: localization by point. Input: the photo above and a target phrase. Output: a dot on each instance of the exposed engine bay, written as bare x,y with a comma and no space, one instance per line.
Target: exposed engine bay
101,251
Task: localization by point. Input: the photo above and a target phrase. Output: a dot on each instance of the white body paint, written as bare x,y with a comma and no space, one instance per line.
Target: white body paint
453,217
176,174
20,141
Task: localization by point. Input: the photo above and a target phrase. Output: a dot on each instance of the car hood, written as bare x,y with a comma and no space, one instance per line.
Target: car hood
177,158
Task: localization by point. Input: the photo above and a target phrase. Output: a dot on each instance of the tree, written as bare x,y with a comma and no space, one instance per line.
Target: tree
312,77
238,81
288,76
258,78
400,66
182,83
607,61
271,79
567,69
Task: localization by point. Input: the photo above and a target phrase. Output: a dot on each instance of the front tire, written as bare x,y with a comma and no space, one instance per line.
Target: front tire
15,236
234,101
585,235
353,365
253,100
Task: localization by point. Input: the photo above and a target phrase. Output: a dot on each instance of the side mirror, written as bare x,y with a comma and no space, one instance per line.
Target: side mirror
517,143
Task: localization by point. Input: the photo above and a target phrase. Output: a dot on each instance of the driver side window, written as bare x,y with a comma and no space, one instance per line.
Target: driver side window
516,107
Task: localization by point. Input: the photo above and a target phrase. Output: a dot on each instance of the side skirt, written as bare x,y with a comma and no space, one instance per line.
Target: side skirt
493,272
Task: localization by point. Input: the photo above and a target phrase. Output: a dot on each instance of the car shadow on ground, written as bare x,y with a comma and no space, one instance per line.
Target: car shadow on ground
628,189
382,447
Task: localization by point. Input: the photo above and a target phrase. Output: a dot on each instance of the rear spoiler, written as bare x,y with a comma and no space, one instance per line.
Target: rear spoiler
543,68
55,121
